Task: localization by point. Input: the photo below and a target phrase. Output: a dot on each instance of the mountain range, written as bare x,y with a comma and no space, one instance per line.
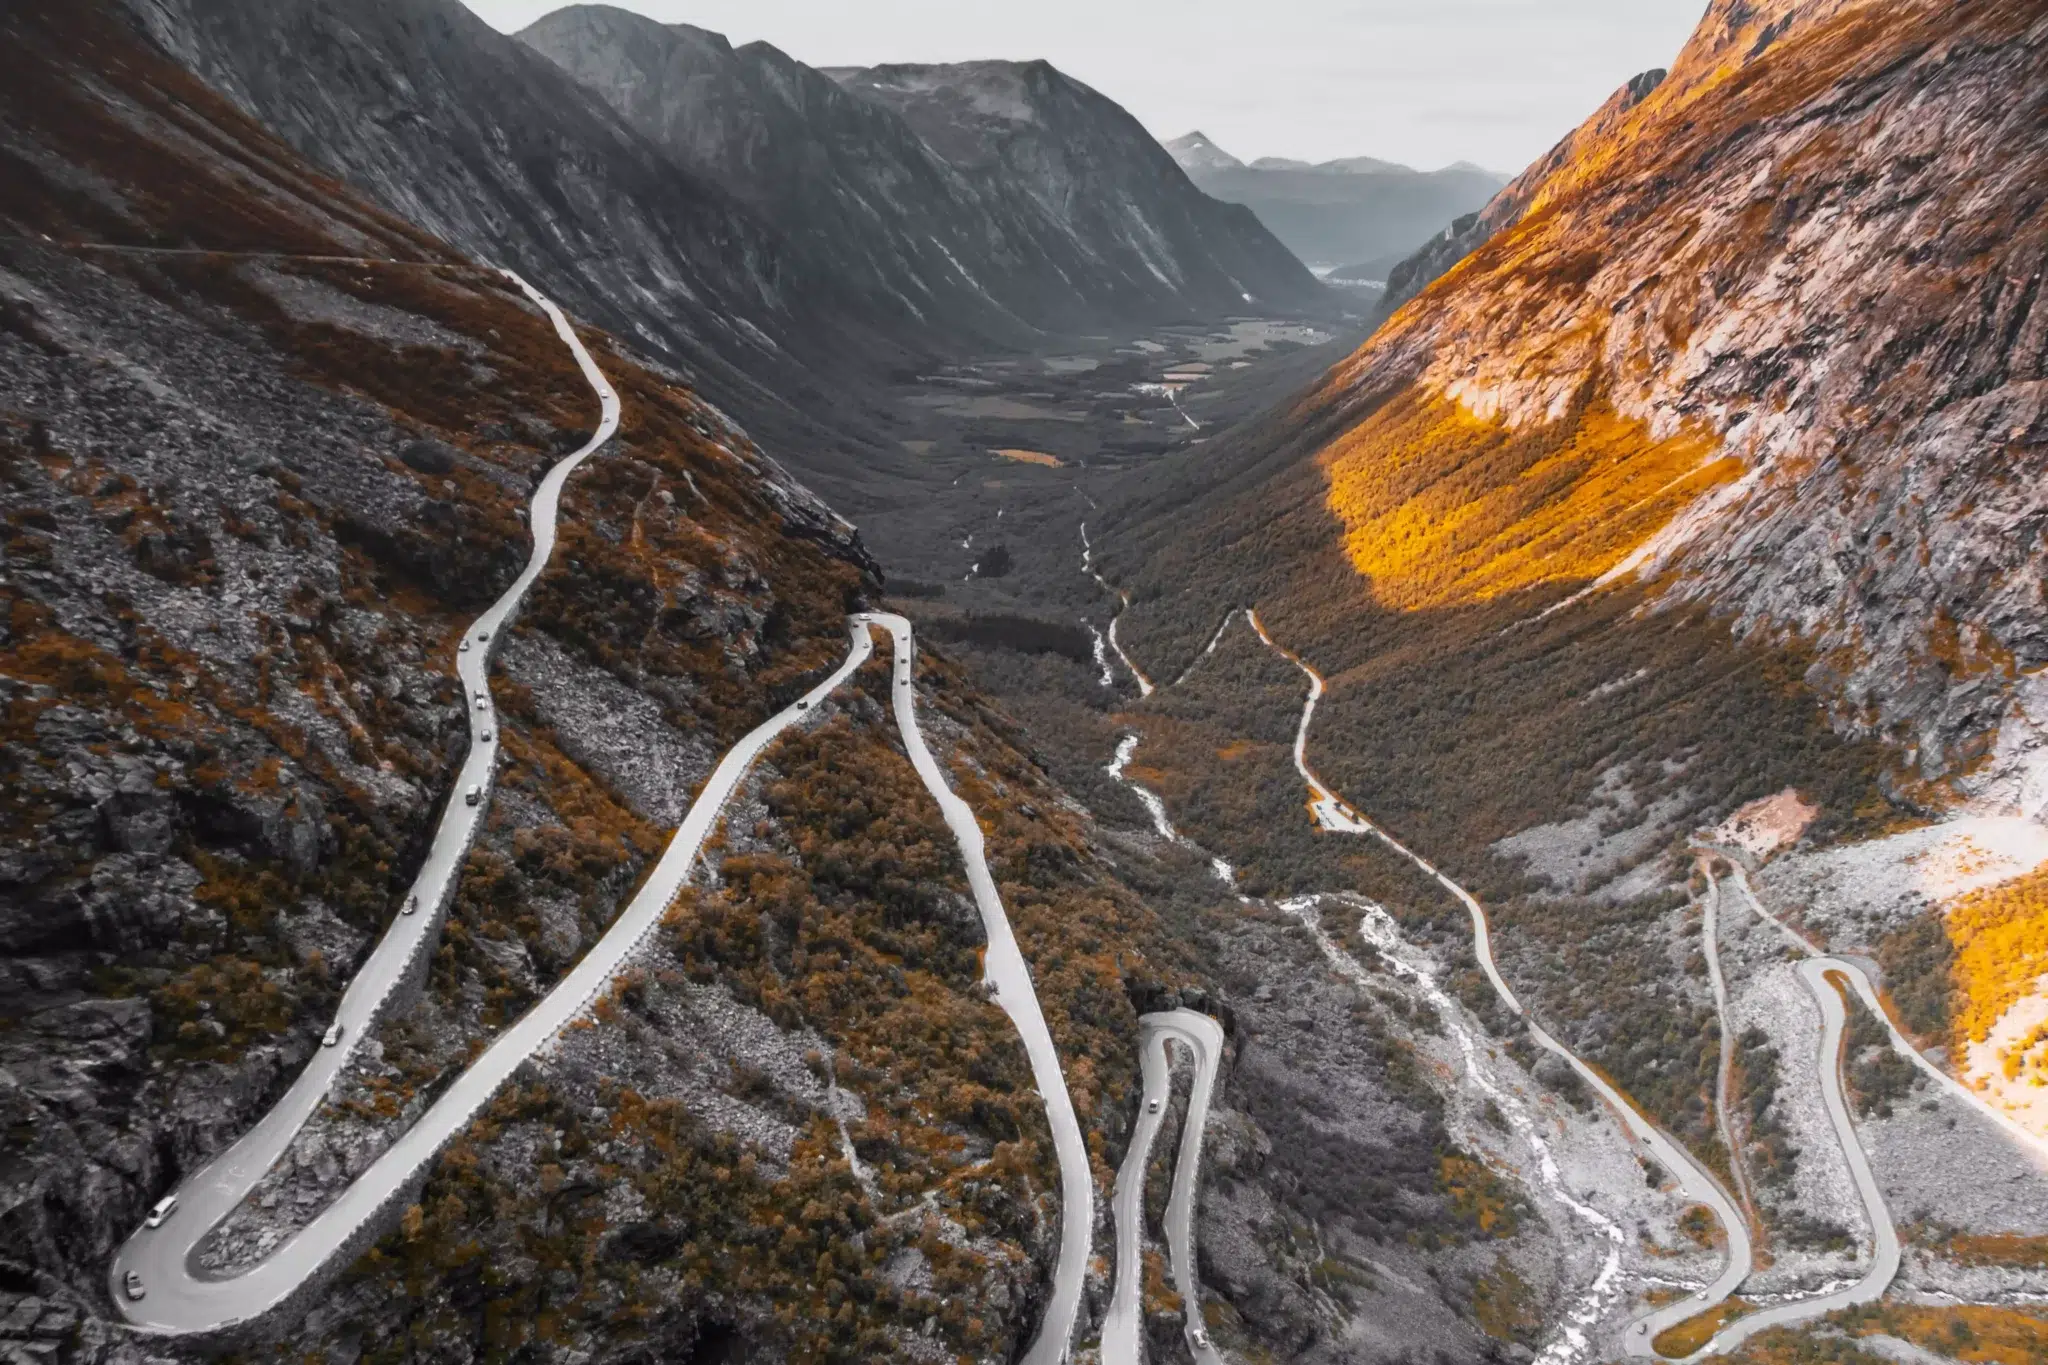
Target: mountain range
737,271
1703,472
1353,212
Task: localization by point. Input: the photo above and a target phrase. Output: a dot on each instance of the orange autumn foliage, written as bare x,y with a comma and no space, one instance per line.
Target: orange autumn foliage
2001,941
1441,507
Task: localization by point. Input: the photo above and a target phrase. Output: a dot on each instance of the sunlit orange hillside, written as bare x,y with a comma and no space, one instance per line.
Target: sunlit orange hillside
1756,293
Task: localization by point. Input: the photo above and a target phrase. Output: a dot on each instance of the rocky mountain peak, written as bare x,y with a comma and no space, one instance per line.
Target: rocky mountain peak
1195,152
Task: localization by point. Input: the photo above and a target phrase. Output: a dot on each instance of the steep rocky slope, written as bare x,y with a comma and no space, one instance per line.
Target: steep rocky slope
1766,336
1715,473
1097,183
256,471
453,126
1354,211
1415,273
851,184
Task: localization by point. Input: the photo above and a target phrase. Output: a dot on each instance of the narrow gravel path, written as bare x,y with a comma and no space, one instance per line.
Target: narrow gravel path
1724,1071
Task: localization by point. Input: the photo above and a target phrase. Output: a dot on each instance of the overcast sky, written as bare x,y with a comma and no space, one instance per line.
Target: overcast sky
1425,82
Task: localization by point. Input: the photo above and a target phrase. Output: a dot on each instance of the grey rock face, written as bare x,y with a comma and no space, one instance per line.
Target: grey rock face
872,196
1098,181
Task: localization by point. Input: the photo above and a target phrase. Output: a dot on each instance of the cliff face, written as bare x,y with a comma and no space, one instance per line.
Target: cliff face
1097,183
1772,333
858,192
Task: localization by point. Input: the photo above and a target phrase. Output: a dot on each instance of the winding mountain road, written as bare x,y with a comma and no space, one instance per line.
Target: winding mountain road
1122,1324
1866,990
1724,1069
180,1297
1007,973
155,1277
1828,978
1334,814
1819,973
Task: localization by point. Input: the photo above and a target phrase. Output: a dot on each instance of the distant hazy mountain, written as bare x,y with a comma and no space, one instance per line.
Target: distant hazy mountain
1195,152
1339,212
1076,160
783,244
864,197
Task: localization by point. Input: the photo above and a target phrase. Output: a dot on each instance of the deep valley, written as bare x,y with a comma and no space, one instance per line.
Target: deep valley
658,704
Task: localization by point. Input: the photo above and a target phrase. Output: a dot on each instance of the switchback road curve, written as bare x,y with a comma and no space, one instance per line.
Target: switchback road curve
155,1278
1123,1324
178,1297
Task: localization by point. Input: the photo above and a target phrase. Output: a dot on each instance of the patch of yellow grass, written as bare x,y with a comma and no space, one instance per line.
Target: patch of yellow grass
2001,941
1689,1336
1998,1336
1440,507
1030,457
